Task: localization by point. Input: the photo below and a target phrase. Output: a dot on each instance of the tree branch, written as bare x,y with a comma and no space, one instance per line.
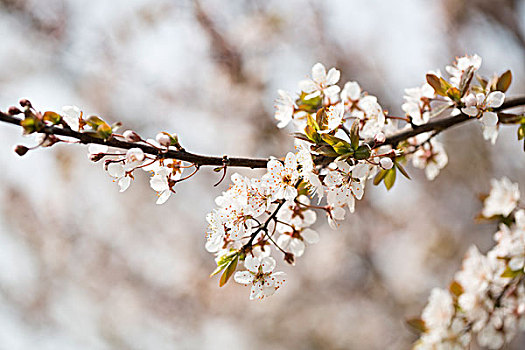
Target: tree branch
445,123
202,160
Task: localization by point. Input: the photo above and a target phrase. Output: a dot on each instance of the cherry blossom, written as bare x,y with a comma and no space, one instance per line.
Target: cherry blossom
503,198
264,282
322,83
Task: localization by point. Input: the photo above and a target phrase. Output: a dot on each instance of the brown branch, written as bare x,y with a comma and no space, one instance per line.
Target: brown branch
445,123
171,154
202,160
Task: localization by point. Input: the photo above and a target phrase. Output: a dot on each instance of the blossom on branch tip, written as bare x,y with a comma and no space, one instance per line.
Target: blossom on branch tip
322,83
503,198
264,282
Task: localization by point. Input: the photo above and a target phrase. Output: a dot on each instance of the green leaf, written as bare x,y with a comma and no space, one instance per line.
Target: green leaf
344,157
390,178
454,94
380,176
303,137
228,272
402,170
52,117
508,273
440,85
311,122
521,132
94,122
504,81
417,324
327,151
362,152
321,118
311,105
354,134
29,124
333,140
104,131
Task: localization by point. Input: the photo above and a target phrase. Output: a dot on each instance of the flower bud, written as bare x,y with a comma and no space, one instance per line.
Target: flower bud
95,157
25,103
163,139
380,138
386,163
21,150
134,155
13,110
131,136
289,258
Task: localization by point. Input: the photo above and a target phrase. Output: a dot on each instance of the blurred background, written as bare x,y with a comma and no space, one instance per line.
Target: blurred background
85,267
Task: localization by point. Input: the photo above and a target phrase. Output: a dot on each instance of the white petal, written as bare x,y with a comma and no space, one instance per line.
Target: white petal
124,183
471,111
267,264
290,162
319,73
164,196
290,193
252,263
489,119
495,99
297,247
310,236
358,189
95,149
333,76
257,291
116,170
243,277
307,86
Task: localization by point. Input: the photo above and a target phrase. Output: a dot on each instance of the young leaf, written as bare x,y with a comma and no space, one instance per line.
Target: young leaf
312,123
402,170
354,134
504,81
390,178
303,137
362,152
440,85
52,117
228,272
380,176
455,288
454,94
521,132
417,324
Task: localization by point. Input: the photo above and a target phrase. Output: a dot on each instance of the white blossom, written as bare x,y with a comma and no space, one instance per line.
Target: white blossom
503,198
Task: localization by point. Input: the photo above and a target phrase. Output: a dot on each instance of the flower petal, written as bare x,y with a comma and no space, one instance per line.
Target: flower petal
495,99
243,277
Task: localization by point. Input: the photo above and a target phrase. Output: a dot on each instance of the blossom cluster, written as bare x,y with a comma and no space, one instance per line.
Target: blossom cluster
343,139
487,297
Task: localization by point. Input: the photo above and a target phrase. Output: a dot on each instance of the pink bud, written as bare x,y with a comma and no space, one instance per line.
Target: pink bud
163,139
13,110
25,103
131,136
